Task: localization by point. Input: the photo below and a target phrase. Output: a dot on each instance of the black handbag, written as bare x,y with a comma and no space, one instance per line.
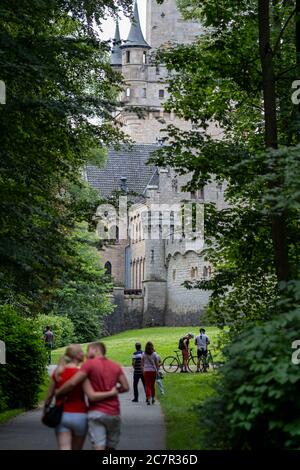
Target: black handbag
52,415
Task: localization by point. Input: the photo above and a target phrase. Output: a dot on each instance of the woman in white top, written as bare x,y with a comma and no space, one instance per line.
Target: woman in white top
150,364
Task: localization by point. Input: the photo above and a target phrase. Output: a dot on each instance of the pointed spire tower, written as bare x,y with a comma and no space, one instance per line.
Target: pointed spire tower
135,37
116,53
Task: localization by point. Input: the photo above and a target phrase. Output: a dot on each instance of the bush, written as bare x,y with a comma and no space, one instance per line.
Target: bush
24,371
256,405
62,327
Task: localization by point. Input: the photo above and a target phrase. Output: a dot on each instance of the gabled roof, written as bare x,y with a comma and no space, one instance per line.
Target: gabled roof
129,162
135,37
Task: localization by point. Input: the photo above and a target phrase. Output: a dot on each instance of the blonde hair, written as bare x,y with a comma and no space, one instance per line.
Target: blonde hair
70,355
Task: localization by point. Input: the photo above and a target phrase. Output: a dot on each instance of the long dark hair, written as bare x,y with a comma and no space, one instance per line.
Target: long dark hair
149,348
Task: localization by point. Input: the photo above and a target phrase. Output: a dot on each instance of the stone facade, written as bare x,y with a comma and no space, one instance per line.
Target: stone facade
165,25
151,266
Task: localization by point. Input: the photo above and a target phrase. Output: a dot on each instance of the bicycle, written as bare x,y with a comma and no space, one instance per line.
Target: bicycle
205,362
171,364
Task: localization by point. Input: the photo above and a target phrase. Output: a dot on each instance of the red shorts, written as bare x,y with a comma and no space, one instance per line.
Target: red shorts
185,354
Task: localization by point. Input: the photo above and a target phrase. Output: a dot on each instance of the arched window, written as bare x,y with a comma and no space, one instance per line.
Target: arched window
205,272
108,268
194,272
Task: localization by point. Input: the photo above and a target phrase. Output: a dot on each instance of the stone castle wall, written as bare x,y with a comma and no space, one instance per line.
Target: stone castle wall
165,24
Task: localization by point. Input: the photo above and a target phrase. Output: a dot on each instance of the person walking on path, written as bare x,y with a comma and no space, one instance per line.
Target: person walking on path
72,430
150,366
202,341
49,342
137,370
104,421
185,349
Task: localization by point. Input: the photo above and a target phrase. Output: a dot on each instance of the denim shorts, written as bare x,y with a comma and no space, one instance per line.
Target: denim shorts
77,423
104,430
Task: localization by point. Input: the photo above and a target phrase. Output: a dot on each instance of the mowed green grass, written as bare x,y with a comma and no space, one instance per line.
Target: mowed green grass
182,393
165,339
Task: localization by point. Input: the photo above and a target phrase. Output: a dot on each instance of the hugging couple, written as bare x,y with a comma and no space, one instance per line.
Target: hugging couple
89,395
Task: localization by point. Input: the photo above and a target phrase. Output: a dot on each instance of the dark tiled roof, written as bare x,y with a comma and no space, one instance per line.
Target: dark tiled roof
129,162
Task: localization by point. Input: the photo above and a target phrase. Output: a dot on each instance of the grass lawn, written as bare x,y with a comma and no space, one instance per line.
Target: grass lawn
182,392
165,339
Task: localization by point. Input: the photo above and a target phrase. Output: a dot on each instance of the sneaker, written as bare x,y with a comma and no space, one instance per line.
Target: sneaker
148,402
153,401
134,400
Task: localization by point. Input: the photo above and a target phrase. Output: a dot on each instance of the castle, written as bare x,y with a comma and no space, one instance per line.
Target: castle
148,272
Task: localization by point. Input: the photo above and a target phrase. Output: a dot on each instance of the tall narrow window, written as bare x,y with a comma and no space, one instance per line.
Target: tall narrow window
128,92
161,94
157,70
108,269
144,57
127,57
144,92
172,226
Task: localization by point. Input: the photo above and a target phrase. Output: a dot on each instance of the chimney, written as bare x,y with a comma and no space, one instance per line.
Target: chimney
123,184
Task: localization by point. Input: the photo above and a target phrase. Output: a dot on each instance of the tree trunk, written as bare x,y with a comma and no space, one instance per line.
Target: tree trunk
298,35
279,231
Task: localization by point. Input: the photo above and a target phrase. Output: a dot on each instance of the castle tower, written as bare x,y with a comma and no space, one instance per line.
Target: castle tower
116,53
155,284
134,64
166,25
142,115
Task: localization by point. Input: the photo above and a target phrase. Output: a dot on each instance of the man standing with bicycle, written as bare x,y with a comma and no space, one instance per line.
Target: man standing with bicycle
184,346
202,341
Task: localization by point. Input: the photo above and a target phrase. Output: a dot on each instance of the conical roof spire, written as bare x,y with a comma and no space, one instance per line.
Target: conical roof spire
135,37
116,53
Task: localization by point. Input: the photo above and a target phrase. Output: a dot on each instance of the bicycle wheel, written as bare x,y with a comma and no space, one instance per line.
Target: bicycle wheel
192,364
170,364
210,361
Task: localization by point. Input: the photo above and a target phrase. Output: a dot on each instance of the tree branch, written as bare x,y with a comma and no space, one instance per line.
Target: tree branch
283,30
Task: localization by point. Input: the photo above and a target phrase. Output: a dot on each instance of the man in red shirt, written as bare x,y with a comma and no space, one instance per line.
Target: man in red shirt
103,416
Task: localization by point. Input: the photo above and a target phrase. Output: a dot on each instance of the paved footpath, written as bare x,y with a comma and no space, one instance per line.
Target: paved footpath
143,427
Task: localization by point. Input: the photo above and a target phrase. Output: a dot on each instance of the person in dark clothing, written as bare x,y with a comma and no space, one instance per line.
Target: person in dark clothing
49,342
137,370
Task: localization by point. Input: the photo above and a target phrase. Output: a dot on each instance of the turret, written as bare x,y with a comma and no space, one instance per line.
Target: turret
134,63
116,53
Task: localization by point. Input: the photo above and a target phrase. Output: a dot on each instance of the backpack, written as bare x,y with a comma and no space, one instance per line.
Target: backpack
181,344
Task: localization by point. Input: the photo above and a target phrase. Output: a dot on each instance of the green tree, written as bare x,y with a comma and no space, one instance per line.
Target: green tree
61,93
237,78
83,292
228,83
